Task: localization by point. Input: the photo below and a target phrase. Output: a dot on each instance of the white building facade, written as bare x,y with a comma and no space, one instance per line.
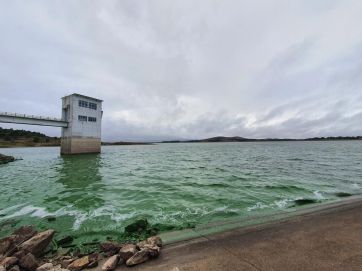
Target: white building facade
84,117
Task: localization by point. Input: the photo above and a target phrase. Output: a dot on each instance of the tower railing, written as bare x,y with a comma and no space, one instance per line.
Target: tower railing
29,116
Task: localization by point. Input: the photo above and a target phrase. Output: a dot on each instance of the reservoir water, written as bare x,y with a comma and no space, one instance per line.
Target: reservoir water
174,186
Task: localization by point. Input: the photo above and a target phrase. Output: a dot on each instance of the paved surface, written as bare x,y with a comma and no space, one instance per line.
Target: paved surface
328,239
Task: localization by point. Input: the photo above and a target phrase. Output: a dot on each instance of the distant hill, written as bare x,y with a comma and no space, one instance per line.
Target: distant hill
125,143
224,139
23,138
9,134
334,138
243,139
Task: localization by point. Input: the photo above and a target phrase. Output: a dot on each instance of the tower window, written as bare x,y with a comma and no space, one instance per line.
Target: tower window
92,119
83,103
82,118
93,106
89,105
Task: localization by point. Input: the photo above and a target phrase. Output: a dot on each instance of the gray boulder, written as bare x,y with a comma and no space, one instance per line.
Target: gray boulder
79,264
139,257
38,243
111,263
155,241
9,262
45,267
29,262
14,268
127,251
111,248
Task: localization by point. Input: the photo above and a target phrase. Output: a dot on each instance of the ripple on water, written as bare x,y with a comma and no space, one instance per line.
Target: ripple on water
173,185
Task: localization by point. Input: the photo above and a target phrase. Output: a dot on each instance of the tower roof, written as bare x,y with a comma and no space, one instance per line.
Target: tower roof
84,96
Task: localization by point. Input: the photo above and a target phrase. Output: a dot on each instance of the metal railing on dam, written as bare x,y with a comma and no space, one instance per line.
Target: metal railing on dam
8,117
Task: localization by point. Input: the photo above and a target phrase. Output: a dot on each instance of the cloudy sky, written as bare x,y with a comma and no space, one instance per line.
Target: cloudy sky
188,69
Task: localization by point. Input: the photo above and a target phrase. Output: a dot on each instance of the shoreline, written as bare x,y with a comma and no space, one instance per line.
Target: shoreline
285,238
129,143
326,237
216,227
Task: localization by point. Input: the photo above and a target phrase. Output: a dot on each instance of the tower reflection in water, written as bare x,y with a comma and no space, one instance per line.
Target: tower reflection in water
80,205
82,182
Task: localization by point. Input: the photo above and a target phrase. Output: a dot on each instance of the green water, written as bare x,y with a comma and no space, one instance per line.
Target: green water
172,185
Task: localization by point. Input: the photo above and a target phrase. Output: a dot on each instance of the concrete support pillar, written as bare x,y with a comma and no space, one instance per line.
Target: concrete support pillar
74,145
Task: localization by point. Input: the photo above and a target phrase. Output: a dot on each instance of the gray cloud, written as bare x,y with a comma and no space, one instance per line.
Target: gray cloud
186,69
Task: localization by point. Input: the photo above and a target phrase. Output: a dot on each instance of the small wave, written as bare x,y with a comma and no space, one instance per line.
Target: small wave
355,186
318,195
295,159
175,217
5,211
221,209
300,159
226,210
79,216
282,203
218,185
258,205
199,185
28,210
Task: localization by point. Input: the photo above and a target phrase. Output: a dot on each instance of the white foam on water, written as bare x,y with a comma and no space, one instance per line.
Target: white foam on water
41,212
174,217
355,186
318,195
29,210
111,211
282,203
11,208
79,216
258,205
79,219
221,209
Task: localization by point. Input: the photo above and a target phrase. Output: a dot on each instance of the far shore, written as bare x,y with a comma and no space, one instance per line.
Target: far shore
10,138
56,142
27,143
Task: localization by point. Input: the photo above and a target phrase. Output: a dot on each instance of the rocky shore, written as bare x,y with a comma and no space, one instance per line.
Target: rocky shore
4,159
28,250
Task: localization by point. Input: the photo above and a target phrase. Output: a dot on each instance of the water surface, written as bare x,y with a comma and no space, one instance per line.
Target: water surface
172,185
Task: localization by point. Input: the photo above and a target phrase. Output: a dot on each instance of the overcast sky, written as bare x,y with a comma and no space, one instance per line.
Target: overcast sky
188,69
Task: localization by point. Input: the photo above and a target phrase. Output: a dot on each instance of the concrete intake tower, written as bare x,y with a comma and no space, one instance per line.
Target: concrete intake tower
84,117
81,123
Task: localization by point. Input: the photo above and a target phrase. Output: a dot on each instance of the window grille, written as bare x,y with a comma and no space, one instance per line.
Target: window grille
82,118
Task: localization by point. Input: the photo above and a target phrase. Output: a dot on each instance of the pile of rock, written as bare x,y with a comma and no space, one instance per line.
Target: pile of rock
131,254
116,255
22,251
4,159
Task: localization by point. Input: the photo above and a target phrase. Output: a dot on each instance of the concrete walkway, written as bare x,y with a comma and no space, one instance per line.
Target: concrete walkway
326,239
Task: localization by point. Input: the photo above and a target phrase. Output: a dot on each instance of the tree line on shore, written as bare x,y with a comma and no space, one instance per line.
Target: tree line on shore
14,134
16,137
